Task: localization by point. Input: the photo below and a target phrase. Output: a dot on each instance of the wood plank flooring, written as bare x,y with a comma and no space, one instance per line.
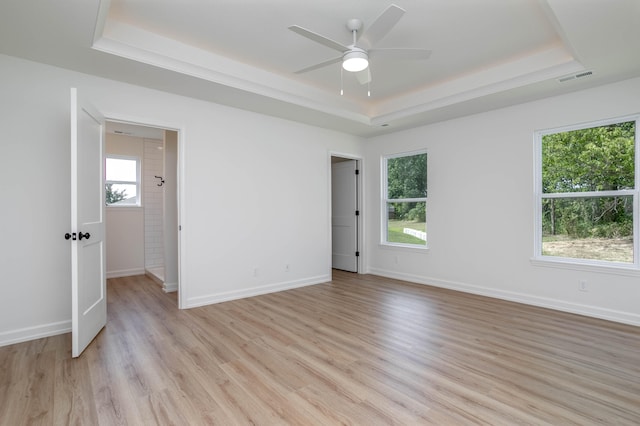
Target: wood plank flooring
359,350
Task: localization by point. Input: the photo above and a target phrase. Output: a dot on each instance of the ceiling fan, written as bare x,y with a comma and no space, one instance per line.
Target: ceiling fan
355,57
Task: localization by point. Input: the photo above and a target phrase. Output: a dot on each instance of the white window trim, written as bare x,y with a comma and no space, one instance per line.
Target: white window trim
538,258
138,182
384,219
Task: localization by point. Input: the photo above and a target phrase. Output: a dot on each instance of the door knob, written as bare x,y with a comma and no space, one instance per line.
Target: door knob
85,235
68,236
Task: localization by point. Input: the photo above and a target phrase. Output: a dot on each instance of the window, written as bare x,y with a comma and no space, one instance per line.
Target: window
122,181
587,193
404,201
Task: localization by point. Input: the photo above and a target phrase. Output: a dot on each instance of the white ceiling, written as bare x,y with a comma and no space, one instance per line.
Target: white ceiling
486,53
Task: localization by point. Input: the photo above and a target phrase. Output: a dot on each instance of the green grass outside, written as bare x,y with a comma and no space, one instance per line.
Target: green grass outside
396,235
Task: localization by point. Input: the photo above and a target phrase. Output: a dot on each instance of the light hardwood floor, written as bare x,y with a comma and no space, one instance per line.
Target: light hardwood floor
358,350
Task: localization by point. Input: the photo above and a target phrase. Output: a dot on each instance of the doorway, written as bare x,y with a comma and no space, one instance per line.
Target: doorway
142,235
345,213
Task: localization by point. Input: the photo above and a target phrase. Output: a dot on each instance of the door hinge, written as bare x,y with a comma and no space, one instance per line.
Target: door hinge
357,254
357,212
357,171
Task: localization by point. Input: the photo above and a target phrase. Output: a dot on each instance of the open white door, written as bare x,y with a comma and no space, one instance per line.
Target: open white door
344,219
88,278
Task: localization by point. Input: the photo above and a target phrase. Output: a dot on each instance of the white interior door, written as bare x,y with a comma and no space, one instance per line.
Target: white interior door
344,221
88,277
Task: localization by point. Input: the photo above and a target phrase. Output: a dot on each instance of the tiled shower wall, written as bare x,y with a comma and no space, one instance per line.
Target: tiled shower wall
153,203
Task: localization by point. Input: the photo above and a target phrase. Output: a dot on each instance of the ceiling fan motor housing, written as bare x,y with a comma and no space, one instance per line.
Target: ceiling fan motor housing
355,60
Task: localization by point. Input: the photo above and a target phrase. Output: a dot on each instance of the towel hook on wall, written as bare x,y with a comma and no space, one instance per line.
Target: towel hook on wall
161,180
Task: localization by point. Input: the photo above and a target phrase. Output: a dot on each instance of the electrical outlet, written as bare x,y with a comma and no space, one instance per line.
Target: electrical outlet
286,267
582,285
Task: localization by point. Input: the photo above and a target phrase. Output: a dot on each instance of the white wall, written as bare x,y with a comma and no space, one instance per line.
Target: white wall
125,241
255,194
480,207
124,145
124,225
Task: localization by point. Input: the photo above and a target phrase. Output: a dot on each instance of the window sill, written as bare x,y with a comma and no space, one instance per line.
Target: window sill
124,207
404,247
624,269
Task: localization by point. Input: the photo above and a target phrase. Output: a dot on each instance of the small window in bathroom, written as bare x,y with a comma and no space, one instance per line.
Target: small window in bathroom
122,181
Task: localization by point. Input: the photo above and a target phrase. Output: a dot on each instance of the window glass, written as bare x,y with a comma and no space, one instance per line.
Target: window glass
121,169
122,183
588,193
596,228
405,202
407,177
593,159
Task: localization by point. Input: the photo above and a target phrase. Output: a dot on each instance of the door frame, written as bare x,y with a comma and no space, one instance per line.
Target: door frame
122,118
360,219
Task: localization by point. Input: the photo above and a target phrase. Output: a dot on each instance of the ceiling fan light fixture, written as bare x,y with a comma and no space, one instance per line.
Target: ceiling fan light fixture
355,60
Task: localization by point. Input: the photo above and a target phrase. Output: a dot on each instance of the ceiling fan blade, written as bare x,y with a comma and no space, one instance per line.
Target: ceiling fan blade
381,26
320,65
400,54
318,38
364,76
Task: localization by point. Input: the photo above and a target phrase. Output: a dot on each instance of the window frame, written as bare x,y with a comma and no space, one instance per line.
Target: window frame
137,183
384,213
540,196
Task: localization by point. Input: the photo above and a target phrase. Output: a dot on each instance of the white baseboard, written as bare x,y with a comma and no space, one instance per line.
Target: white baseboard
154,278
125,273
170,287
559,305
36,332
255,291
